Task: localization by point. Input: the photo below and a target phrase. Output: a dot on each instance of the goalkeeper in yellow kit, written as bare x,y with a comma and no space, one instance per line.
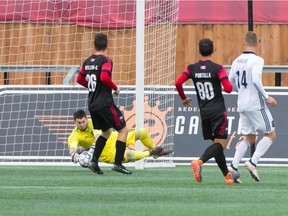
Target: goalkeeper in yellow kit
84,136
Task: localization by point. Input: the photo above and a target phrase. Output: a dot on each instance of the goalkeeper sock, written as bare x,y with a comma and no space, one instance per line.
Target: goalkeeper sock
136,155
99,146
211,152
120,150
145,138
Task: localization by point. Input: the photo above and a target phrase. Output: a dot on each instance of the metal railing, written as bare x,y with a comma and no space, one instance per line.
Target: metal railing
277,69
69,70
72,71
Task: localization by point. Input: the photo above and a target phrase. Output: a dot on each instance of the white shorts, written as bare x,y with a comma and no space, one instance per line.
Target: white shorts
253,121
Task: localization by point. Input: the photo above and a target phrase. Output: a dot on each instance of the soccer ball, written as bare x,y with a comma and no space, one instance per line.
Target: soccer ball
85,158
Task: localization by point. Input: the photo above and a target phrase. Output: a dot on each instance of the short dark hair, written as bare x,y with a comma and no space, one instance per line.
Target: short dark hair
100,42
79,114
206,47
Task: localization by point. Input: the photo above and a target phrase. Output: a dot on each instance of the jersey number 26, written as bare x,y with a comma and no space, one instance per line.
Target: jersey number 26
92,82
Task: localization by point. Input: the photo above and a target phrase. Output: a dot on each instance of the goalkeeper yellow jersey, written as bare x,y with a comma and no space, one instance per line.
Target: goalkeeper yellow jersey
86,138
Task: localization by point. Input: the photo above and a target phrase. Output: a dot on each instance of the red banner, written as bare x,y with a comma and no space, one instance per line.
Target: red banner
122,13
216,11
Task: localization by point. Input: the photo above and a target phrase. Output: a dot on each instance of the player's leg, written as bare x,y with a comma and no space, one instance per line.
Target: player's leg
219,126
240,151
108,153
101,143
263,120
143,135
131,155
263,145
215,150
249,138
119,124
230,177
209,152
120,152
145,138
99,123
214,129
99,146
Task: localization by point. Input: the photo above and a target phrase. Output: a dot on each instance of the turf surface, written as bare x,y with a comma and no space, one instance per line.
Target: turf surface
58,191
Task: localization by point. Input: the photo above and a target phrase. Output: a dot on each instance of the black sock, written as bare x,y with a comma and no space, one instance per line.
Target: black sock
99,146
211,152
120,150
221,162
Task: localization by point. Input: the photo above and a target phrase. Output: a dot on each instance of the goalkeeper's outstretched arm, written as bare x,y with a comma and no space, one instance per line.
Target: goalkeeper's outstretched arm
73,153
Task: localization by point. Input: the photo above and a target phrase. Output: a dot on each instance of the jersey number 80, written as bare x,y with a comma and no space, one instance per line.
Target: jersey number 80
205,90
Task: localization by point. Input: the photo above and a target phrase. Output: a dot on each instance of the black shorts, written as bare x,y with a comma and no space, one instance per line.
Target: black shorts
215,127
108,117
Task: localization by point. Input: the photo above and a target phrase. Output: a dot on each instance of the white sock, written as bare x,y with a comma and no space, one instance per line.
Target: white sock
261,148
240,152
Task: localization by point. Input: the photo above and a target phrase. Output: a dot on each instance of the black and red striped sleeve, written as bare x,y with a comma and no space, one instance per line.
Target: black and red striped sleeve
179,83
106,72
106,79
222,75
81,78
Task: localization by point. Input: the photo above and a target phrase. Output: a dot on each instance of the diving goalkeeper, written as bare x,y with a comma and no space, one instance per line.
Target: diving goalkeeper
84,136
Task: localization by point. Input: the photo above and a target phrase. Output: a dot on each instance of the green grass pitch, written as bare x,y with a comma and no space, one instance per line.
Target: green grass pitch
43,191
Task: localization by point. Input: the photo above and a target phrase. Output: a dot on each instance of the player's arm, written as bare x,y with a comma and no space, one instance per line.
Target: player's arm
81,78
75,157
222,75
257,78
72,150
72,144
179,87
257,81
232,78
105,77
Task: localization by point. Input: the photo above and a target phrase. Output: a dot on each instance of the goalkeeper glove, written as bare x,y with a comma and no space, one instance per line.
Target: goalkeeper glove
75,157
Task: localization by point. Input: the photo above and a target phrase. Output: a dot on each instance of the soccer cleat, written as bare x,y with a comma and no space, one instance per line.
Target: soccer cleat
163,153
155,151
95,168
197,167
121,169
234,172
230,178
253,171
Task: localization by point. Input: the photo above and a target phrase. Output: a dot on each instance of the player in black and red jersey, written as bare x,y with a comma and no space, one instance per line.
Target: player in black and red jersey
208,78
95,74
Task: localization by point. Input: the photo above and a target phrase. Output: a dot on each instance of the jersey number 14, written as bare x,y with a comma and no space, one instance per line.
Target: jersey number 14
241,79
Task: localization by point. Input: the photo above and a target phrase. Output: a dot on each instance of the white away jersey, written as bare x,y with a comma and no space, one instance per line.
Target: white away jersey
246,77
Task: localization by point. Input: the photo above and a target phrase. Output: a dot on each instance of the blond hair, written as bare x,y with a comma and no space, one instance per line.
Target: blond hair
251,38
